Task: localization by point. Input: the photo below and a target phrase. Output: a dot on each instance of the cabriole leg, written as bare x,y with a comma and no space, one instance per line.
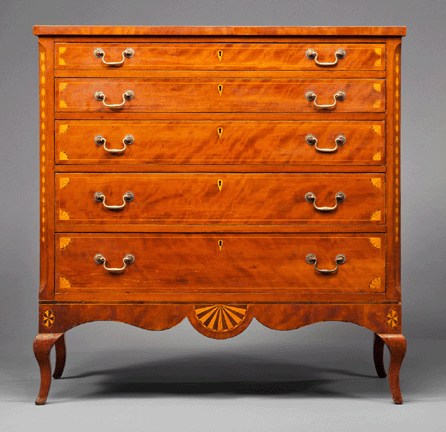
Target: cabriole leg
397,347
42,347
378,356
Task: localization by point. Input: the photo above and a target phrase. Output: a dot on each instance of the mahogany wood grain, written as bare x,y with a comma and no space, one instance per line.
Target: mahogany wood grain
195,263
220,142
220,56
216,74
197,198
303,227
313,31
105,297
203,95
328,115
229,168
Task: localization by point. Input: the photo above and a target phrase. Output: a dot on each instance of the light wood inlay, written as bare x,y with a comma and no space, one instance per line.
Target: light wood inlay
65,242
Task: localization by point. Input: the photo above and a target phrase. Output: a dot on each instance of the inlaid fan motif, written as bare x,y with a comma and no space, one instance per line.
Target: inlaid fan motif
221,318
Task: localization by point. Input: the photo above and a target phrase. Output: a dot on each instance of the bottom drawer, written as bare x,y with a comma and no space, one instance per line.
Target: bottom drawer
220,263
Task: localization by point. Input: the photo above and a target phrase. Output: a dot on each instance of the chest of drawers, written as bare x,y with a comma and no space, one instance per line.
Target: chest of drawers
220,174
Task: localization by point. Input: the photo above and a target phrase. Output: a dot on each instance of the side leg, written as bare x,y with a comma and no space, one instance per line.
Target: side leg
378,356
397,347
42,347
61,356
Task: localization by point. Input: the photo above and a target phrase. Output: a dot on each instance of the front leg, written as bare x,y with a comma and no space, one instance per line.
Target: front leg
397,347
42,347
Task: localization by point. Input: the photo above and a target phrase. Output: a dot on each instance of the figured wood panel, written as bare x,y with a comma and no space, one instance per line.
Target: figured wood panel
219,56
220,142
223,263
219,95
220,198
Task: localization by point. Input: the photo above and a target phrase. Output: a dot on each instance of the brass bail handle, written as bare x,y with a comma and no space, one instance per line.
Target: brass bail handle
127,197
126,54
339,141
128,140
339,260
127,96
311,96
127,260
312,55
311,198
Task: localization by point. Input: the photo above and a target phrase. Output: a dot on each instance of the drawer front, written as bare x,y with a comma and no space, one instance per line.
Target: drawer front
198,198
219,263
219,95
220,142
204,56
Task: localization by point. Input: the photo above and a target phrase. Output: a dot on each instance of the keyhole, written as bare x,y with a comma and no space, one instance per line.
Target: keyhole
220,55
220,184
220,244
220,132
220,89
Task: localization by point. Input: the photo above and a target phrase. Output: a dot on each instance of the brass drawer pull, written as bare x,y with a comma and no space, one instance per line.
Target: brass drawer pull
312,140
99,53
100,259
128,197
100,140
311,198
127,96
312,55
311,96
339,260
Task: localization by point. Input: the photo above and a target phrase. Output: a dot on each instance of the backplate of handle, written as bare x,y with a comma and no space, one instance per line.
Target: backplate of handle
127,197
311,198
311,96
339,141
127,96
339,260
126,54
311,54
128,140
127,260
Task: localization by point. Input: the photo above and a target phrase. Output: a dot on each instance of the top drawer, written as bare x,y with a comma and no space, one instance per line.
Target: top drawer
220,56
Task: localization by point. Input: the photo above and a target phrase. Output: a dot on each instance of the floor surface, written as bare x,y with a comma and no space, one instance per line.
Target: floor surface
271,388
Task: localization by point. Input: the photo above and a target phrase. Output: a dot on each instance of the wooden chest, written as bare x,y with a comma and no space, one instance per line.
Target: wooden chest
220,174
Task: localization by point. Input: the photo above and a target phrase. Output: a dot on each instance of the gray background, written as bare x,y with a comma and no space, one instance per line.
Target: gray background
113,360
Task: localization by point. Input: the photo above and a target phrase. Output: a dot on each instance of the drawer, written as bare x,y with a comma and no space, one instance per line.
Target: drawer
197,198
220,142
205,56
218,95
184,263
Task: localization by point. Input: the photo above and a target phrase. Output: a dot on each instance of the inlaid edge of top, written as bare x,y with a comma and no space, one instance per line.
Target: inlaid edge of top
68,30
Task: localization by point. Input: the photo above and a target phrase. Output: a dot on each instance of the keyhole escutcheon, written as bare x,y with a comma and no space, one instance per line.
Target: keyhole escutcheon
220,54
220,184
220,244
220,89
